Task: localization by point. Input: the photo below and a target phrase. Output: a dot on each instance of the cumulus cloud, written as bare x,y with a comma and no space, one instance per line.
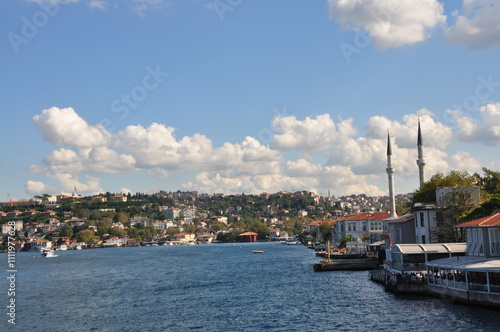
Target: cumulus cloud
64,127
310,134
463,160
477,26
99,4
485,131
34,188
437,134
328,155
389,23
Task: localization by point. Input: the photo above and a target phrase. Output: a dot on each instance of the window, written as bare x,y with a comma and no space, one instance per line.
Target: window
423,239
422,224
398,236
494,241
364,227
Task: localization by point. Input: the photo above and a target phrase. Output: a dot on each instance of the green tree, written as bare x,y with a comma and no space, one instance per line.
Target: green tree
487,208
87,236
83,213
44,197
490,182
122,217
427,192
171,231
66,231
190,228
326,230
452,206
218,226
345,239
117,232
132,232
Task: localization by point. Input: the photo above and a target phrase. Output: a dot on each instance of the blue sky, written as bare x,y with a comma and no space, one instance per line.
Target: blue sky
244,96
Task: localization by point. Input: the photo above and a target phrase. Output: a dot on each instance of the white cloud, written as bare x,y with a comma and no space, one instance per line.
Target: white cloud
463,160
34,188
486,131
478,26
389,23
311,134
125,191
99,4
63,127
322,155
435,133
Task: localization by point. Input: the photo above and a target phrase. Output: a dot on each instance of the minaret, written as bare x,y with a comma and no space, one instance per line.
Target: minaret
420,160
390,173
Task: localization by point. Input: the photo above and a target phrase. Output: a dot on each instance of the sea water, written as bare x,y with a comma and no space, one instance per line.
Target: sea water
217,287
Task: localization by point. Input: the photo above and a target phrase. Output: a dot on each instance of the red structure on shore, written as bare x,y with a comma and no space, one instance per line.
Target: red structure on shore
247,237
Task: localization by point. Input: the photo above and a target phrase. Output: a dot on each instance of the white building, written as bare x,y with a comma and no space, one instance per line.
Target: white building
363,224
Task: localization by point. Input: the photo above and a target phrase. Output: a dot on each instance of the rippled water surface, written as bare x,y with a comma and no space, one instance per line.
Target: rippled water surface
218,287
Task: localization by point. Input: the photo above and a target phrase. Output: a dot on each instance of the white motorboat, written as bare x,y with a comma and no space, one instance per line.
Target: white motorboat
48,253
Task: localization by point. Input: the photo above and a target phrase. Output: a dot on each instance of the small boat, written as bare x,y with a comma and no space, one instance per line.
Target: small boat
62,247
258,251
48,253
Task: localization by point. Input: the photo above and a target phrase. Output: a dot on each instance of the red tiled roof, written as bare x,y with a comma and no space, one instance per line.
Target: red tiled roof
367,216
493,220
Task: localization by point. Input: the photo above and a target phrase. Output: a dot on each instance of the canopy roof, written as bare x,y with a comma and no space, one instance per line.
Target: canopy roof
467,263
429,248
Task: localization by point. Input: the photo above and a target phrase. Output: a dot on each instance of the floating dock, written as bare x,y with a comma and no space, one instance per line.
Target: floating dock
346,265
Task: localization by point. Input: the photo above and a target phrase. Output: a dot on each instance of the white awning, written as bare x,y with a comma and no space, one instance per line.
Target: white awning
467,263
429,248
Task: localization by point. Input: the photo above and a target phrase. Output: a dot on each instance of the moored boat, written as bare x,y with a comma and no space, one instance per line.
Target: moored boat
346,265
48,253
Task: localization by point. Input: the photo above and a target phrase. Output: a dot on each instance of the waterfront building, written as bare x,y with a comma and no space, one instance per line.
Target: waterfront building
115,242
425,223
426,215
39,245
361,225
402,229
474,278
248,237
184,237
206,238
277,235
